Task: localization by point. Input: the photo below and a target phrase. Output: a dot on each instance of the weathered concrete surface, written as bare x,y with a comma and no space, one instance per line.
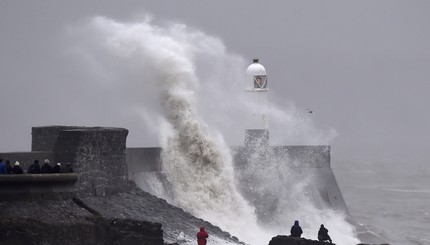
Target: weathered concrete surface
44,138
98,155
66,222
29,186
310,163
140,205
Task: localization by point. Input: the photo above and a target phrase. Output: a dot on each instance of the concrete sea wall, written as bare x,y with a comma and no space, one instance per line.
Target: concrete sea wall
52,209
310,162
97,204
98,154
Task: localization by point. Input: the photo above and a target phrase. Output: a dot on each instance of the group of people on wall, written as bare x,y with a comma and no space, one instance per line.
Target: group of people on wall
34,168
296,231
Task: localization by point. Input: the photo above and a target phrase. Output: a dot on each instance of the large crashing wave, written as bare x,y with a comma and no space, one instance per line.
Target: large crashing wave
200,173
169,75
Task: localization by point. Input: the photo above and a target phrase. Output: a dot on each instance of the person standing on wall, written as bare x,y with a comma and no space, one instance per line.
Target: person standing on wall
57,168
296,230
34,168
46,168
8,167
2,167
17,169
202,235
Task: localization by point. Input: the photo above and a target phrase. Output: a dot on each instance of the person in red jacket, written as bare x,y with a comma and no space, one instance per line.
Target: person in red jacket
201,236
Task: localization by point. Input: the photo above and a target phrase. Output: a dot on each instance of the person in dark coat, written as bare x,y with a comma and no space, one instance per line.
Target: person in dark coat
2,167
202,235
67,169
17,169
46,168
34,168
8,167
323,234
57,168
296,230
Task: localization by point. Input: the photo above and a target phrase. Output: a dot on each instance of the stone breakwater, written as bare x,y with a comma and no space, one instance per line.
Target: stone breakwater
132,217
69,222
100,206
139,205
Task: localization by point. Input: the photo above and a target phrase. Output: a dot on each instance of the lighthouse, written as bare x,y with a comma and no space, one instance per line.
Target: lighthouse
257,132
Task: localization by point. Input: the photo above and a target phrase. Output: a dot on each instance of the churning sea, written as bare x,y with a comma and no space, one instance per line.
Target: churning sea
391,201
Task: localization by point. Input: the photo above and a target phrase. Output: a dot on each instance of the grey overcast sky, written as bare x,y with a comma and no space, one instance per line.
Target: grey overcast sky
362,66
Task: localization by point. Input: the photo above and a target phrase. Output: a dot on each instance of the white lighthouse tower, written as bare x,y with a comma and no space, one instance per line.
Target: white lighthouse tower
257,132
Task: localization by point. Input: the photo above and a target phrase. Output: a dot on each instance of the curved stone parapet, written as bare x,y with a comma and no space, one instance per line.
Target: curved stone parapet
38,178
37,186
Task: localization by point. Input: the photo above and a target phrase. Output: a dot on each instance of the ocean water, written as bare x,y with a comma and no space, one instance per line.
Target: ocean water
391,201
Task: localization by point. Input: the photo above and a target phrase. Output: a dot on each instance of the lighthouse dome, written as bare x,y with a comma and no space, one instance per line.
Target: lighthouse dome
256,69
257,78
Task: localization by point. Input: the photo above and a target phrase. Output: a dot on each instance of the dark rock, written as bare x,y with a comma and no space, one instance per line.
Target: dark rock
139,205
286,240
64,222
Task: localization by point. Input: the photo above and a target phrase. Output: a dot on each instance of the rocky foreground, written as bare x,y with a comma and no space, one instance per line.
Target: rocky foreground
132,217
286,240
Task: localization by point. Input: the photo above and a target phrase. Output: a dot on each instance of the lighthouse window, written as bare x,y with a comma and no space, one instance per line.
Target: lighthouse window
260,81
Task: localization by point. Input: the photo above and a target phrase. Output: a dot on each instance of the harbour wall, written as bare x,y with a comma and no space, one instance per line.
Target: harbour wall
106,166
96,153
308,162
97,203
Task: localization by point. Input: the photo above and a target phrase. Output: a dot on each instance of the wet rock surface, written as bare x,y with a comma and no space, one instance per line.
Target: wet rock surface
140,205
287,240
66,222
132,217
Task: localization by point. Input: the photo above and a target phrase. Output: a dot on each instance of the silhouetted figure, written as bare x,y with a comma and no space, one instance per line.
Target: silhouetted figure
17,169
2,167
323,234
202,235
34,168
8,167
296,230
56,168
67,169
46,168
